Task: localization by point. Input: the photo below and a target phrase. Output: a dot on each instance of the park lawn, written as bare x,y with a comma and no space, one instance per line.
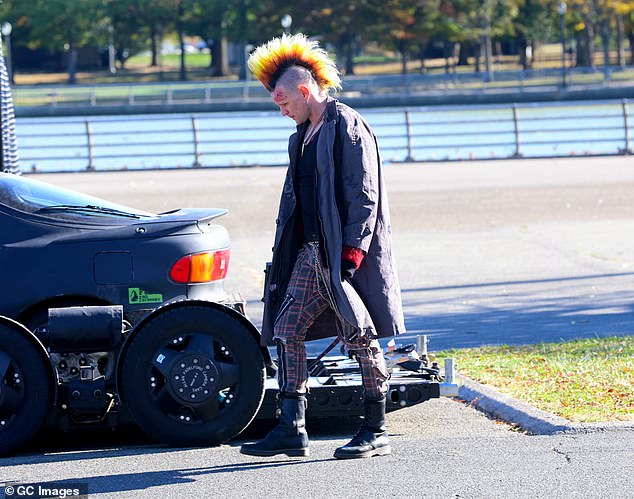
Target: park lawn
193,60
585,380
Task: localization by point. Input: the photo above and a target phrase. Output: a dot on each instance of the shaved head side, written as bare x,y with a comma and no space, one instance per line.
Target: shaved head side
295,76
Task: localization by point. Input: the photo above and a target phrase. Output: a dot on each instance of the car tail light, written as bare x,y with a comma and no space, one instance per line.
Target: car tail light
201,267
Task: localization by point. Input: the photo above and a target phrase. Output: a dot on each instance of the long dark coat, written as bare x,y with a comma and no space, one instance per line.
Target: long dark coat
352,211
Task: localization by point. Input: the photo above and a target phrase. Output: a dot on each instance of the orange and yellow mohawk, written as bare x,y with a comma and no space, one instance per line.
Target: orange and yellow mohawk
269,61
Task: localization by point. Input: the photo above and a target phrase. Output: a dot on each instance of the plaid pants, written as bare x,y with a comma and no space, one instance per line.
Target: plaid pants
307,297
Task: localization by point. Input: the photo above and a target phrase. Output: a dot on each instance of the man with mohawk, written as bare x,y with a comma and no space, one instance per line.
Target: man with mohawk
333,270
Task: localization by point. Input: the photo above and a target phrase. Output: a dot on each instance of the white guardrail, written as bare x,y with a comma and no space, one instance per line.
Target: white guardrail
436,133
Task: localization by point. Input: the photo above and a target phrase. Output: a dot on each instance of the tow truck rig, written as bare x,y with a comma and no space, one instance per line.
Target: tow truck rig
190,373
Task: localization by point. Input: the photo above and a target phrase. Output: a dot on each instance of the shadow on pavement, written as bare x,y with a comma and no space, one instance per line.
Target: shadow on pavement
515,312
144,480
521,312
78,445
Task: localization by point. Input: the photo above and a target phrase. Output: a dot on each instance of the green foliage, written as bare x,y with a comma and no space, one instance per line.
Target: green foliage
402,25
207,19
408,23
129,32
58,23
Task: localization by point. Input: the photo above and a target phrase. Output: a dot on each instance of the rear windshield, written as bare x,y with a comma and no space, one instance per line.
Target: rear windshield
33,196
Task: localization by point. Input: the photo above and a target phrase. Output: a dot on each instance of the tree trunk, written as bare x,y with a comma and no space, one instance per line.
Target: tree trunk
122,55
243,28
242,60
522,46
72,64
340,50
589,42
402,49
350,56
582,53
498,50
619,41
154,46
421,57
630,37
477,51
486,43
182,75
605,41
447,54
219,58
466,50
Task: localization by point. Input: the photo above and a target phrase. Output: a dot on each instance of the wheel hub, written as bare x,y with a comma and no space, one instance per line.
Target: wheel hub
194,379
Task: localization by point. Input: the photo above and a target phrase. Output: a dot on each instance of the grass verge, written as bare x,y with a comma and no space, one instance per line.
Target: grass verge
586,380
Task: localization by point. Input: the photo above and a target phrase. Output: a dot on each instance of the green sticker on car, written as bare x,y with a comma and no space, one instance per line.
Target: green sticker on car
138,295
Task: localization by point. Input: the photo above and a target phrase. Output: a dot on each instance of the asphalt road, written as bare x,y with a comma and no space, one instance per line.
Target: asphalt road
488,252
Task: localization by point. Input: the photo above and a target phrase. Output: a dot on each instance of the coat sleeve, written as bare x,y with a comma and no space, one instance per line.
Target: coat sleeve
359,188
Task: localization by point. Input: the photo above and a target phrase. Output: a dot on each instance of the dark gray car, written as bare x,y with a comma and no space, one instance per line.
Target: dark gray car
111,315
63,248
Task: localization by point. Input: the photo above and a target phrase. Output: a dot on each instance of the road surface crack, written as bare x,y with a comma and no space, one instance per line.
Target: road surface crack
562,453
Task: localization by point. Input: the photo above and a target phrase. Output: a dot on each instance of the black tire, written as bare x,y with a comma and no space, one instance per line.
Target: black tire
193,376
25,389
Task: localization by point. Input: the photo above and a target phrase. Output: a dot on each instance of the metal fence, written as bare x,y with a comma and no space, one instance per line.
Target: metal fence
260,138
375,86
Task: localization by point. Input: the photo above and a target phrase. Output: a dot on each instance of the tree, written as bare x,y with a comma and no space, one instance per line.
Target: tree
156,17
628,30
208,19
407,26
244,25
63,25
534,23
478,21
582,13
593,15
450,29
611,14
345,25
427,14
130,34
180,14
398,28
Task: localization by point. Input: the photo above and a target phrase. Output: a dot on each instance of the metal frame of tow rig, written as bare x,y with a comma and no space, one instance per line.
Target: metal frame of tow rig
337,388
82,368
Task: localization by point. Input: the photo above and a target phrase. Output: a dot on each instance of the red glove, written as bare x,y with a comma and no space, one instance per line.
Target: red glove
351,259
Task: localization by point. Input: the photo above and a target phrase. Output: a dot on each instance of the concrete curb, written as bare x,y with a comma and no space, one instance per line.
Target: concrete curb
530,419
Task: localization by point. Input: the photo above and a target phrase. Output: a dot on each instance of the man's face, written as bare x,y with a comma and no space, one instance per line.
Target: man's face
292,103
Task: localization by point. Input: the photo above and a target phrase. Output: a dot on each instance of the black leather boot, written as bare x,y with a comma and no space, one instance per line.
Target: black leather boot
289,436
371,439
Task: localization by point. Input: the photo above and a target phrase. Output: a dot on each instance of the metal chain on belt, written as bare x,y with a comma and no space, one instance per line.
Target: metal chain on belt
325,290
